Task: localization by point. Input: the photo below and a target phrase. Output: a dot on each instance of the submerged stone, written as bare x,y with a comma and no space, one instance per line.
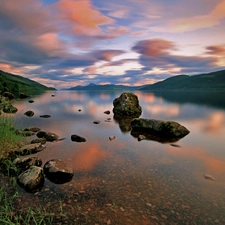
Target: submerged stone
58,171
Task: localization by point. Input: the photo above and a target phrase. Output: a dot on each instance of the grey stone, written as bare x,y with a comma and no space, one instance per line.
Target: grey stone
32,179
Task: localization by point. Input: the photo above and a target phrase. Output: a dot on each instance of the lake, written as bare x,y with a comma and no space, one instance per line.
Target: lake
125,181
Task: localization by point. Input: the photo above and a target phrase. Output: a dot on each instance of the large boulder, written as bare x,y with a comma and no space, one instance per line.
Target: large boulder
58,171
127,105
32,179
159,130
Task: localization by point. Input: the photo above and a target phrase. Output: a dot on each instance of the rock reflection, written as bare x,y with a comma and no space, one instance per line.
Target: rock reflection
124,122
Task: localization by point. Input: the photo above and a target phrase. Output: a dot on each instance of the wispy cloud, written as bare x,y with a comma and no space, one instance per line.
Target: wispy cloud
212,18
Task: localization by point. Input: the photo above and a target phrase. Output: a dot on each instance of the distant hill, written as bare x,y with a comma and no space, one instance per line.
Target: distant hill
18,84
214,81
106,87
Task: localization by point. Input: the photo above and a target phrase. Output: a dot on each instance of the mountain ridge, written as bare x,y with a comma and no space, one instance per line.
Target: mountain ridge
213,81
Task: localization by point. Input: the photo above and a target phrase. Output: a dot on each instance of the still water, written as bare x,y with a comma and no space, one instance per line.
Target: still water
126,181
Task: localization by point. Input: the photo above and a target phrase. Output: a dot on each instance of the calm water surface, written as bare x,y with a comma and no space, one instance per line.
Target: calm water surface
131,182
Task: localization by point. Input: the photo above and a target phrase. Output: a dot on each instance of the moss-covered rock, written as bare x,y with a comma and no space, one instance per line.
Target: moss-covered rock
127,105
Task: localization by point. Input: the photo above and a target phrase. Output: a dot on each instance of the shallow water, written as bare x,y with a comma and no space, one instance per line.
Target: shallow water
125,181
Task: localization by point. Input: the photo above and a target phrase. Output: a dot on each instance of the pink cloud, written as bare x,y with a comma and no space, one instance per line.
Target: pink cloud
50,43
28,16
90,70
82,16
218,50
153,47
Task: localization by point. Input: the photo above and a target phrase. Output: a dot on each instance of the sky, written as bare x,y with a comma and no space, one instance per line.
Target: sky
65,43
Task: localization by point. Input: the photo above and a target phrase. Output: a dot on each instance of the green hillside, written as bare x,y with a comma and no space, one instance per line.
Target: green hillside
214,81
17,84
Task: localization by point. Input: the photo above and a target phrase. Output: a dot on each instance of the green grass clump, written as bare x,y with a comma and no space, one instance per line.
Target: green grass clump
8,138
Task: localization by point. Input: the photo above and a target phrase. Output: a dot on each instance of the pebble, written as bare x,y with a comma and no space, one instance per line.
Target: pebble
141,137
112,138
154,217
149,204
209,177
122,209
164,216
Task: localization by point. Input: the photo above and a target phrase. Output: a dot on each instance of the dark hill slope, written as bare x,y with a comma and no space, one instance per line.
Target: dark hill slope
214,81
18,84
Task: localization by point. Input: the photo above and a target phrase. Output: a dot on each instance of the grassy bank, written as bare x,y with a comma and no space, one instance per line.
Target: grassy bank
8,138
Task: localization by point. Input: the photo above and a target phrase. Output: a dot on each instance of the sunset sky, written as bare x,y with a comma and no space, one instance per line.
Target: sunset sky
65,43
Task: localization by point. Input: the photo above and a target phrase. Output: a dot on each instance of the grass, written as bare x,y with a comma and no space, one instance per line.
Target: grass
8,138
10,141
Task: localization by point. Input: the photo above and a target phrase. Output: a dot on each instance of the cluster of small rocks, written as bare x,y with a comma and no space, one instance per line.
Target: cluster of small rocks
27,168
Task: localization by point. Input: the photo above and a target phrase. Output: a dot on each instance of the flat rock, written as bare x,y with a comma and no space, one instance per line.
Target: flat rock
23,163
45,116
77,138
30,149
158,129
39,140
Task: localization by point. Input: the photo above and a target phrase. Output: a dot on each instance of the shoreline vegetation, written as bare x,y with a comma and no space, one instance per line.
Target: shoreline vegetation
12,210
